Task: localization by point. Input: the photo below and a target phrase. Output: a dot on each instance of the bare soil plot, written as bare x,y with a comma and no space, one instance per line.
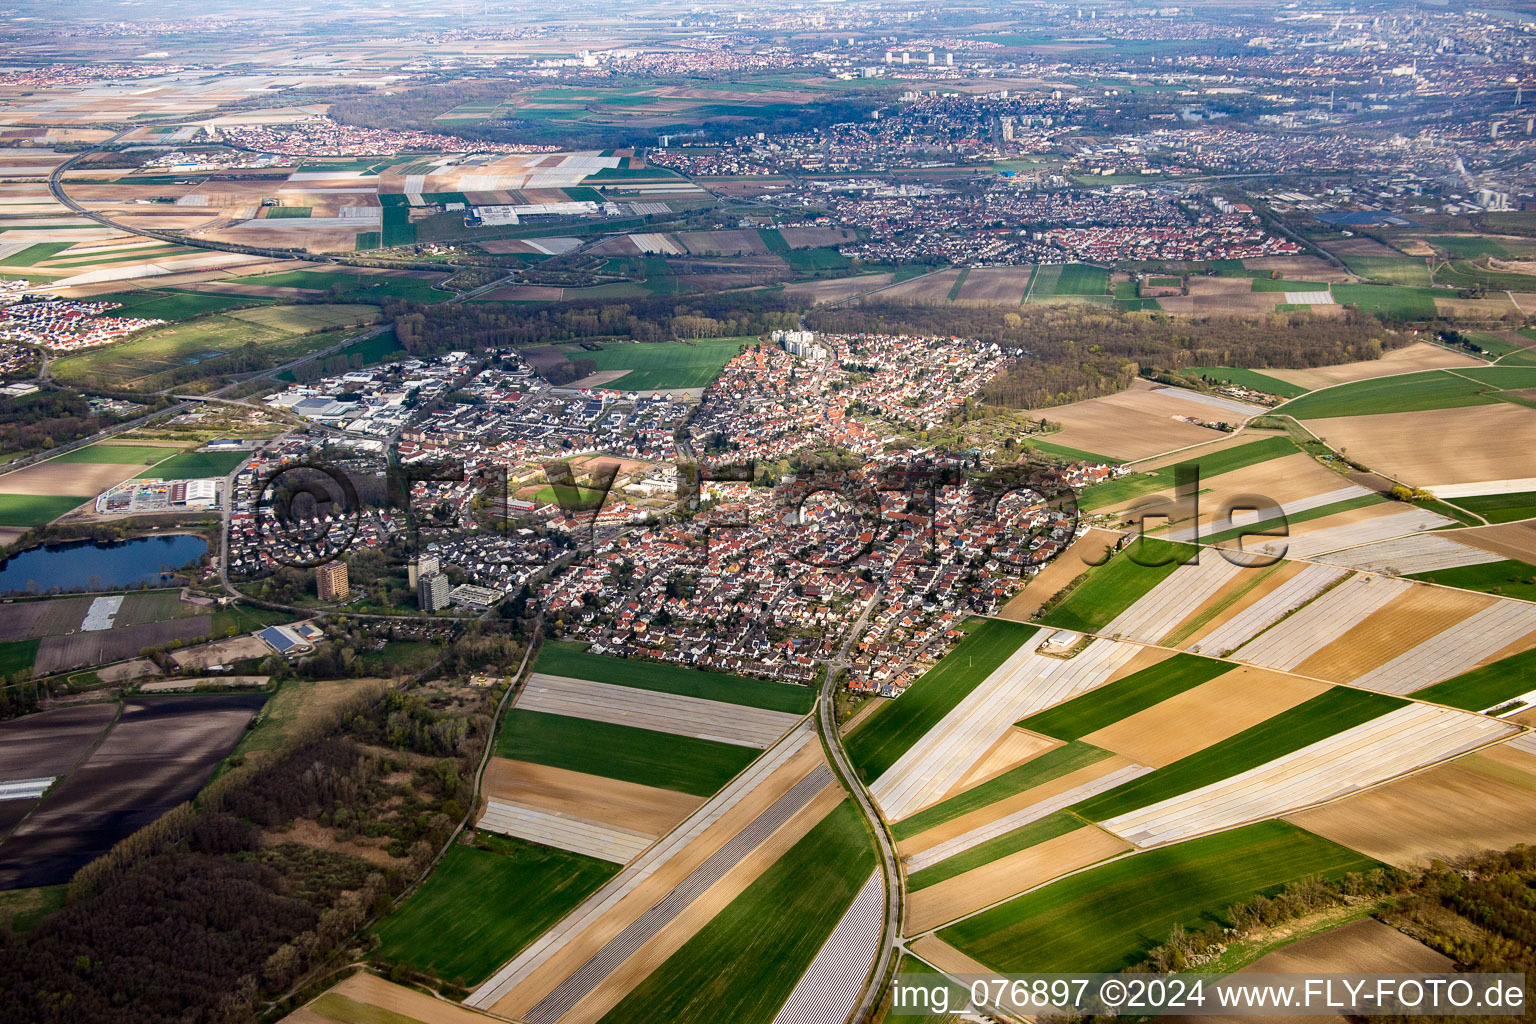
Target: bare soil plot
733,242
50,742
837,288
1134,424
1061,570
525,293
1404,622
1299,268
934,950
996,284
1364,946
1441,446
1217,295
1512,540
1483,801
156,756
220,652
57,653
928,288
1219,442
809,238
1408,359
394,999
610,801
1358,245
966,893
74,479
1206,714
1497,304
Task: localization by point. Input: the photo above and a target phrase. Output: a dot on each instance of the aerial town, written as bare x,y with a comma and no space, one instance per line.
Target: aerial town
803,514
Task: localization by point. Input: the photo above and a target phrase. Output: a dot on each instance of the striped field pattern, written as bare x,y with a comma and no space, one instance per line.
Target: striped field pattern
828,989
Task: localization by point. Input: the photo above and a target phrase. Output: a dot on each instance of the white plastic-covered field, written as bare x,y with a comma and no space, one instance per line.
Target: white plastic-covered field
1027,682
1454,650
1248,623
1215,401
1018,819
1526,741
828,989
1174,599
1424,552
1272,512
551,828
1290,642
1311,543
1397,742
659,712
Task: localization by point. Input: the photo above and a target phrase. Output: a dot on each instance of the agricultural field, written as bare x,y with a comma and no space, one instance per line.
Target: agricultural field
375,288
1475,443
1108,917
196,465
157,754
1125,697
1486,687
1109,589
1254,379
1408,359
643,756
1071,282
890,731
1139,422
1209,464
564,659
1503,578
662,365
486,901
1414,392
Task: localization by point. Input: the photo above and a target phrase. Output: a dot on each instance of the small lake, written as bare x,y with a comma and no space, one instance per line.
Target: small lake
86,565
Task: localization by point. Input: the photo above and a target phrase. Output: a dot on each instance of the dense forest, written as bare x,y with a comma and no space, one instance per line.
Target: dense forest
1069,353
44,419
427,330
202,915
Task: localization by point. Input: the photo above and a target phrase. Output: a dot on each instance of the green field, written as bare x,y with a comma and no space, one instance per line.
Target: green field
876,743
1330,712
1468,246
1064,452
808,261
480,907
1111,588
982,854
18,655
34,509
680,763
372,288
1036,771
1465,273
1109,917
1390,300
1487,687
196,465
1409,392
954,289
666,364
743,964
174,306
288,212
564,659
1123,698
1501,508
117,454
1506,578
1211,464
35,253
1246,378
1405,270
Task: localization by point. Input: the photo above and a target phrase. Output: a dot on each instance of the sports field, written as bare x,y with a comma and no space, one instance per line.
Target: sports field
1485,687
565,659
664,760
1109,589
1208,465
195,465
1331,712
484,903
669,364
1138,691
1052,764
743,964
1501,508
889,731
1107,918
1254,379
